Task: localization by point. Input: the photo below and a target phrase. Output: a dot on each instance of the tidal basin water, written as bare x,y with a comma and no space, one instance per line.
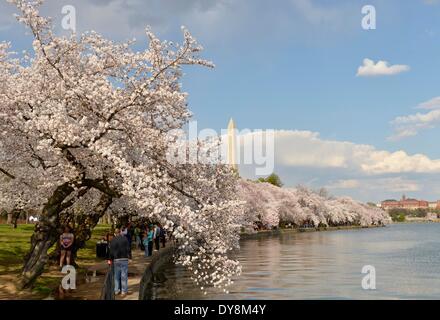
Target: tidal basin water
327,265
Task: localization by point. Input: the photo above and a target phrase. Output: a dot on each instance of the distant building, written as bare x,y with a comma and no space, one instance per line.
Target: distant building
434,205
411,204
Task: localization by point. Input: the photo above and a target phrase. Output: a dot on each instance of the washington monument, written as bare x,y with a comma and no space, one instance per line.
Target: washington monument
232,139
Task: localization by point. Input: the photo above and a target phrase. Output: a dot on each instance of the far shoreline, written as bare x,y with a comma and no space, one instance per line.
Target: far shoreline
280,231
417,220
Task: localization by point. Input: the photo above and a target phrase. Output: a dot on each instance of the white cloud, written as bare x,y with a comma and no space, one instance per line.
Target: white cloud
395,184
381,68
410,125
307,149
434,103
380,162
344,184
304,148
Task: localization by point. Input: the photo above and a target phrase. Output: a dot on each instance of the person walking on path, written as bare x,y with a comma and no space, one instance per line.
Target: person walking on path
162,236
145,242
66,242
130,233
119,254
148,242
126,231
156,237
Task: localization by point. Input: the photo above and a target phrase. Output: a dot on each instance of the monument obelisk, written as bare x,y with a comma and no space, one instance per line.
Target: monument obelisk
232,139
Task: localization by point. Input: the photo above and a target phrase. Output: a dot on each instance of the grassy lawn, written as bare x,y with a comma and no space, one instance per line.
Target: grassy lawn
14,244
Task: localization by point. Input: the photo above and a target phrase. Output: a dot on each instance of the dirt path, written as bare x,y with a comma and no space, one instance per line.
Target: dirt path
90,288
9,286
136,268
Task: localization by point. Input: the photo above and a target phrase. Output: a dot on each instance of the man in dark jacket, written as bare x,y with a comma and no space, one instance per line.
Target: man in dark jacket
119,254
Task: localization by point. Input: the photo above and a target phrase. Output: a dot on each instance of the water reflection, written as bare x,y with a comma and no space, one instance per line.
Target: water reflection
327,265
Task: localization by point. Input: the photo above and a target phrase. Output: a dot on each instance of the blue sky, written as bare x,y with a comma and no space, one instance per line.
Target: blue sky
291,65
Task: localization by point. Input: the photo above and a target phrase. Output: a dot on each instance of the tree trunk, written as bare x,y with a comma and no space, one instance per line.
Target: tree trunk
9,220
46,233
15,216
86,224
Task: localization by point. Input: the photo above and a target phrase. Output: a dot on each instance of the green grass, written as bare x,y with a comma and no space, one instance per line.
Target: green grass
15,243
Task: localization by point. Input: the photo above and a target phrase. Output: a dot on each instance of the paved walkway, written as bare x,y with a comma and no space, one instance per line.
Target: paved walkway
136,268
90,287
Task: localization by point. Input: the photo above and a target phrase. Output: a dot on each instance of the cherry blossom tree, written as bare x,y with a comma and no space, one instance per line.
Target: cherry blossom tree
269,206
84,125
